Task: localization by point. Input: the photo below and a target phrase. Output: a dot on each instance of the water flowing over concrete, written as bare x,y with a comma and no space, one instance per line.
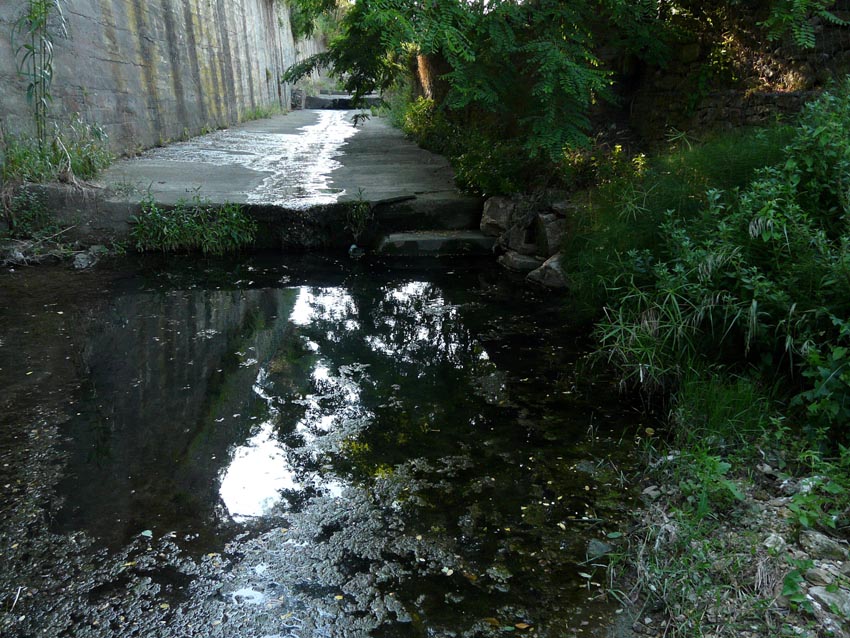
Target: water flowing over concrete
298,174
293,161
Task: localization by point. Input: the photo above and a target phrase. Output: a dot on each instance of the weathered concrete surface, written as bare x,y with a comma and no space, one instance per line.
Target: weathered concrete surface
297,174
155,71
436,243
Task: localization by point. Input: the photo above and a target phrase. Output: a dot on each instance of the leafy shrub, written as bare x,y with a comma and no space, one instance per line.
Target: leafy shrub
427,125
482,161
758,278
192,225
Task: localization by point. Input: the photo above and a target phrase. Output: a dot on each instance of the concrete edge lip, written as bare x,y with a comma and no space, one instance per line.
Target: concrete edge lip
436,243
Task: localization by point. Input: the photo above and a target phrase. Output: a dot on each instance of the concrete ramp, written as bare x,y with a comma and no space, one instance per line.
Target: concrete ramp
299,173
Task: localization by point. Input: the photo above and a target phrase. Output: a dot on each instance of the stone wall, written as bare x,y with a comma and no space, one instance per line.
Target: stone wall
151,71
734,76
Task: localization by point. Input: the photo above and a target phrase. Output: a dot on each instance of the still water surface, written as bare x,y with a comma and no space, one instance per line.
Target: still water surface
376,451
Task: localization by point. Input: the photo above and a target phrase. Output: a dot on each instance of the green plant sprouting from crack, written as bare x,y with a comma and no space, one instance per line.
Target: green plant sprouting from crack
358,215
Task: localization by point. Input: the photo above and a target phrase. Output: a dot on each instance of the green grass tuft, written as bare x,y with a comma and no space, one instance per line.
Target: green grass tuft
193,225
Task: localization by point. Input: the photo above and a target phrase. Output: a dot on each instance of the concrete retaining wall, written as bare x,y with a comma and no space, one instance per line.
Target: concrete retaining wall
151,71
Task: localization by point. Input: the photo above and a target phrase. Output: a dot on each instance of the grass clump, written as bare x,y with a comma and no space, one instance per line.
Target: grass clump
76,149
192,225
260,112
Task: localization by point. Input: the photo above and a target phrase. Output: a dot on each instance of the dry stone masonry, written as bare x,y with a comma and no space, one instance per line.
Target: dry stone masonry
530,236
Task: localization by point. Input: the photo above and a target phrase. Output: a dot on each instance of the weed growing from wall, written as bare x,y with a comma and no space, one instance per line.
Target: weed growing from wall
76,149
358,216
29,217
33,35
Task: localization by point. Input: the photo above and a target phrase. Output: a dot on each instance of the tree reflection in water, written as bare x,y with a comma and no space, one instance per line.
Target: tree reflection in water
425,486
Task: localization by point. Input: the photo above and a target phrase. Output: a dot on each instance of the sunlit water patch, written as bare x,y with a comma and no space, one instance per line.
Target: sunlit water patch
375,455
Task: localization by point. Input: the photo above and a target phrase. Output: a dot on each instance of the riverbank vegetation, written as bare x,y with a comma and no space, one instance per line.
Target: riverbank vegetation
714,267
192,225
735,311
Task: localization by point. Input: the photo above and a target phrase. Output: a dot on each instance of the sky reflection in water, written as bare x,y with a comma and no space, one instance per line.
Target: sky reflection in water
418,441
260,471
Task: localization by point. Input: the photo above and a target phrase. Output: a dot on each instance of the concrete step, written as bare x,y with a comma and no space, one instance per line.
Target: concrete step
445,210
436,243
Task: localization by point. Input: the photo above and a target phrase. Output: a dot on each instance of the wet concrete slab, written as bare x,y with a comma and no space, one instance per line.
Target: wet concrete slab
295,161
451,242
296,174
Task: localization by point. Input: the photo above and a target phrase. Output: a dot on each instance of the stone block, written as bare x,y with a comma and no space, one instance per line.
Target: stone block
550,233
497,215
521,239
512,260
550,275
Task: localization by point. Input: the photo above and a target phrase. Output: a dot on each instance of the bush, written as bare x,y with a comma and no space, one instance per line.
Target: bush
429,127
758,278
484,162
616,231
192,225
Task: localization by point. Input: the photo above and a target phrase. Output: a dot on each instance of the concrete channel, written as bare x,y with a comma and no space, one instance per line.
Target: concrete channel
300,175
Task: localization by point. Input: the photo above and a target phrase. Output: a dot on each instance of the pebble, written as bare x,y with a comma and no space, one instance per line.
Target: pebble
774,542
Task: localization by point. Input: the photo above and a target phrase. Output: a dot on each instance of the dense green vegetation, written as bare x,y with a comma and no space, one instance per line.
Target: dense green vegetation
504,88
730,301
752,280
192,225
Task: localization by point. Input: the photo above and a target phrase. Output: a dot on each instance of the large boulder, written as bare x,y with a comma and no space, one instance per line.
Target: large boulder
497,215
550,275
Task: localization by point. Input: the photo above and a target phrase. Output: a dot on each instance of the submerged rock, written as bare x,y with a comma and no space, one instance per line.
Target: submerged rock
597,548
83,261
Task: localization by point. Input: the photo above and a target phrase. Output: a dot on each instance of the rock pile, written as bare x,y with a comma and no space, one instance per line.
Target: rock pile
530,233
